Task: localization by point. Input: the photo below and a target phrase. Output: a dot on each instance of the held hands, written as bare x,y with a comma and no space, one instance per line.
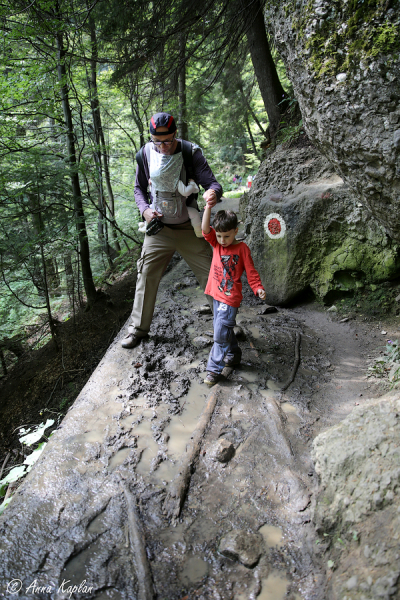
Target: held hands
261,294
210,197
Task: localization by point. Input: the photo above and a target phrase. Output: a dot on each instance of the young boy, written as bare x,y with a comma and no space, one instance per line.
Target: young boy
230,259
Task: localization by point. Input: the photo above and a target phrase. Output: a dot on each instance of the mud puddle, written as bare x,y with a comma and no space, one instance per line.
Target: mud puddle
97,506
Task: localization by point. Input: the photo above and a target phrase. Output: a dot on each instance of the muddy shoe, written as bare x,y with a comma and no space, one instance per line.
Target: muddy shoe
131,341
232,362
212,378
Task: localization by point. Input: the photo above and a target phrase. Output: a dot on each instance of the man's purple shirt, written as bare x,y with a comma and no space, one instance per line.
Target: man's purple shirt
202,175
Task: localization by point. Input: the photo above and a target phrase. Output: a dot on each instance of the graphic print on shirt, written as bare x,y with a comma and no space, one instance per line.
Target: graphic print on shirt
229,263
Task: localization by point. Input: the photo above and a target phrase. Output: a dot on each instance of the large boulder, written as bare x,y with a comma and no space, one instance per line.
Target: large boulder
310,231
357,510
343,61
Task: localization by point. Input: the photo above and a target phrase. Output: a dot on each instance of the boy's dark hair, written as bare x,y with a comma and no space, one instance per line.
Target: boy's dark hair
225,220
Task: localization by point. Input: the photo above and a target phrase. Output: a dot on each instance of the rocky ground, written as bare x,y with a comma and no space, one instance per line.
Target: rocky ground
134,497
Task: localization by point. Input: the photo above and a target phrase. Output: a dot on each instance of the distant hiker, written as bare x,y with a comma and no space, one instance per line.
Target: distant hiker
230,259
234,179
240,180
166,160
249,182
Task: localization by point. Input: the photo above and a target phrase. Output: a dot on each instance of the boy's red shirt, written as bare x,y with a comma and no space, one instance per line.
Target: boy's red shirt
226,270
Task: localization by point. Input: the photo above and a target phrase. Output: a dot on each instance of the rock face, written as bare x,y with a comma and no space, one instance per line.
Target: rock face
343,61
311,231
358,510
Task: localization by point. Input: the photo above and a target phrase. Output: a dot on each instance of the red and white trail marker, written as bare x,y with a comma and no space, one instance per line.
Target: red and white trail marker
275,226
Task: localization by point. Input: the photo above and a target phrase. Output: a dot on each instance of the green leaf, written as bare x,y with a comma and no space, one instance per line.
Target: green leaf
331,564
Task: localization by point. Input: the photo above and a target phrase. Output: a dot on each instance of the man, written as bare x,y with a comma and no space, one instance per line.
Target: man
176,233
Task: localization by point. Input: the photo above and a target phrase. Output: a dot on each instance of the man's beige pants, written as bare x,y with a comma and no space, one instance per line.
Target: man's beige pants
156,254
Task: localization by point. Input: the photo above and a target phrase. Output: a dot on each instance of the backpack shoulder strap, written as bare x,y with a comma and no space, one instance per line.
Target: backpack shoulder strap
187,154
139,159
139,155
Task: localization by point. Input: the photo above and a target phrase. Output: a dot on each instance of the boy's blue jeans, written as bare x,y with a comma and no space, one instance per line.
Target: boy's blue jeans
225,345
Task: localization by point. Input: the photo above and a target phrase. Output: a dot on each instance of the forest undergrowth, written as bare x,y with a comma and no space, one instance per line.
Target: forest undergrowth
44,383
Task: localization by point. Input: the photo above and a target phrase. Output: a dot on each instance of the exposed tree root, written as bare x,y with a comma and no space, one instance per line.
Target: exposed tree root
295,364
138,547
176,496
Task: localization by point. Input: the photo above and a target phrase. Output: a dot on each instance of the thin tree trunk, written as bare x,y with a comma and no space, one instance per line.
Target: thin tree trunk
95,104
69,279
271,88
182,112
253,114
51,322
251,136
84,252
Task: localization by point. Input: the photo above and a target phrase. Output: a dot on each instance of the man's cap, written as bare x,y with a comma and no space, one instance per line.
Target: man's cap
162,119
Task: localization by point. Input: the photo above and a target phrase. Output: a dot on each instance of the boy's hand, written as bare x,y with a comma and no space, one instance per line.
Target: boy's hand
261,294
210,197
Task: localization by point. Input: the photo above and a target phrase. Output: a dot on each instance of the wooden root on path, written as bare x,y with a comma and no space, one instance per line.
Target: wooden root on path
138,547
176,495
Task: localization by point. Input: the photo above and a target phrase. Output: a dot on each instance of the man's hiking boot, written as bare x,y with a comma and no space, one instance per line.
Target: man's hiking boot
131,341
212,378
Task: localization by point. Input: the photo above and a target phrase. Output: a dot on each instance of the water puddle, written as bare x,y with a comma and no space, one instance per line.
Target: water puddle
267,393
274,385
191,329
179,431
249,374
255,332
119,458
194,571
273,536
147,444
273,587
182,426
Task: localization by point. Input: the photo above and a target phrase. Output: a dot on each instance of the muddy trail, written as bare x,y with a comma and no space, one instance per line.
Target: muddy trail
154,486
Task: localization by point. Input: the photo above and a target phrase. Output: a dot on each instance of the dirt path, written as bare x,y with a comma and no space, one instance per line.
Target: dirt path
101,504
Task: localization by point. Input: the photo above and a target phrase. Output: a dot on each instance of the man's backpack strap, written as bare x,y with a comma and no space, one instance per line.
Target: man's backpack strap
187,155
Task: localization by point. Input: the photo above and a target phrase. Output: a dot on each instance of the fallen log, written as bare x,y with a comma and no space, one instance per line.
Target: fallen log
138,547
177,492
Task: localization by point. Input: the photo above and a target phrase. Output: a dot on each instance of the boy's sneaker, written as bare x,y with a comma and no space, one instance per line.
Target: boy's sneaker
212,378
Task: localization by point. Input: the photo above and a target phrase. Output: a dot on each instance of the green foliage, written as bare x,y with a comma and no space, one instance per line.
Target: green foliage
372,301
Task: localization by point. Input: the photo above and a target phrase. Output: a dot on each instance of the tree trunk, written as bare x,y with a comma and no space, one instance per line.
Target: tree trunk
271,89
84,252
182,112
251,136
69,279
94,101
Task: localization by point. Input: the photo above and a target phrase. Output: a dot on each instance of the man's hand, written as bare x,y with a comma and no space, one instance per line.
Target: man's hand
261,294
149,214
210,197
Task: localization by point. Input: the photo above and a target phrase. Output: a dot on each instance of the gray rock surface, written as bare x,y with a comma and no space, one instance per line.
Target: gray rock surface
344,65
327,240
242,546
357,512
